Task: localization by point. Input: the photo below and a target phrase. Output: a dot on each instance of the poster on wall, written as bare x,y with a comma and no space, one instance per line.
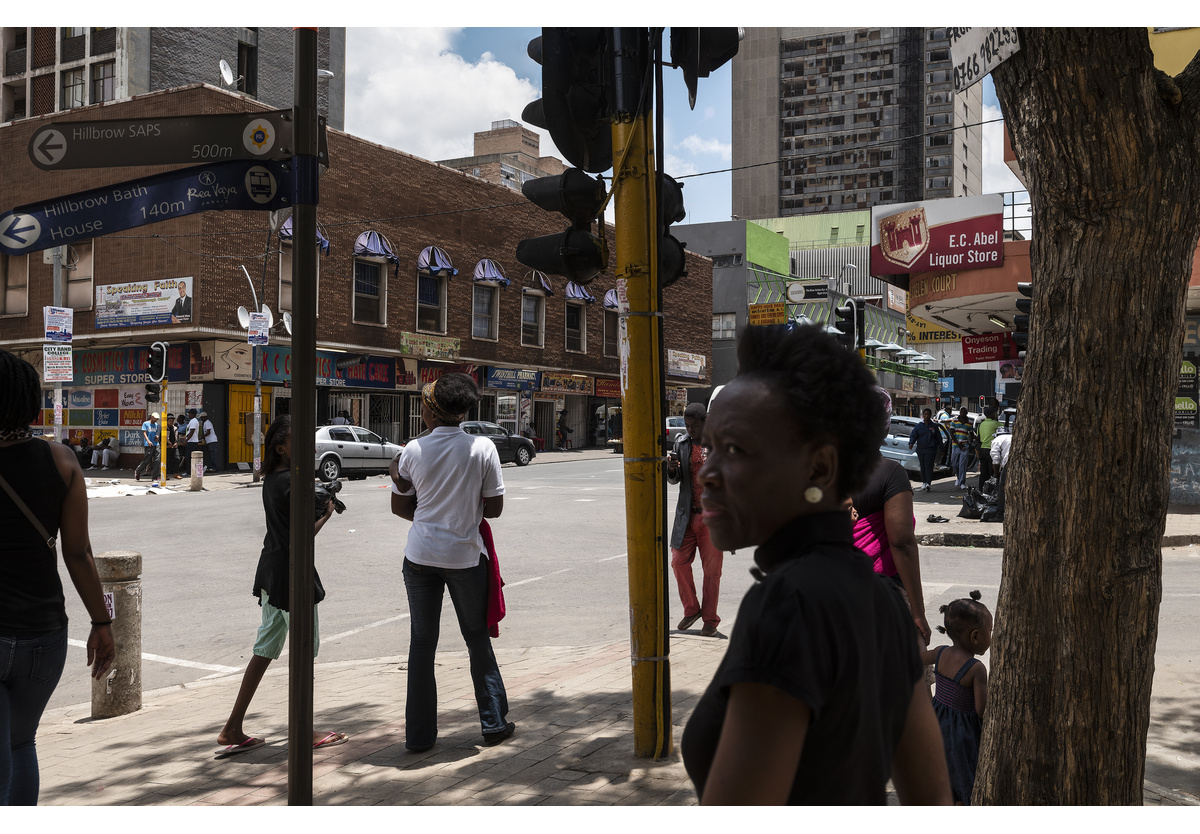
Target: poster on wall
1010,370
144,303
57,363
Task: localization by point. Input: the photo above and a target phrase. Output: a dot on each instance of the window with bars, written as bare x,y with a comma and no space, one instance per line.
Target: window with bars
370,291
533,319
576,327
104,81
483,312
14,281
73,89
431,303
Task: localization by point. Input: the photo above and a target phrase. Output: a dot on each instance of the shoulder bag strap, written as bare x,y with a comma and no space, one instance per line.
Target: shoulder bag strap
49,539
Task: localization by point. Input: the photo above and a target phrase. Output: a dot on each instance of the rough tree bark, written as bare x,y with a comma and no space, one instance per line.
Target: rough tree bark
1111,150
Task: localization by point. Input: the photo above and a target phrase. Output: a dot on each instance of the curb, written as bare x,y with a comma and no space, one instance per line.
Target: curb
1174,796
996,540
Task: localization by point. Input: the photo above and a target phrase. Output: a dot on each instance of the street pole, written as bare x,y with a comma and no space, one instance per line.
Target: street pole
645,495
304,396
58,302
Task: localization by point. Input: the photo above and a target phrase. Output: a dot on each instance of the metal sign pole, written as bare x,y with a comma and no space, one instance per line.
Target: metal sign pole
58,302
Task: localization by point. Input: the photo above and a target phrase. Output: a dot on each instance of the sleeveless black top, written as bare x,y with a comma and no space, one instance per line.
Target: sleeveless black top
31,593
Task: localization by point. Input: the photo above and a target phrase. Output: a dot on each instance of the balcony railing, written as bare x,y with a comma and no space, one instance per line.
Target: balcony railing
14,61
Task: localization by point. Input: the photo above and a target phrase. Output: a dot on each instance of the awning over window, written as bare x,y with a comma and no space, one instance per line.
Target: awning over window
610,300
433,260
375,245
488,271
578,293
285,233
537,282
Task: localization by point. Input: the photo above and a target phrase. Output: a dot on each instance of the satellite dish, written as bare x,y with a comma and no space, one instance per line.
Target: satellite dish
226,72
287,323
270,316
244,318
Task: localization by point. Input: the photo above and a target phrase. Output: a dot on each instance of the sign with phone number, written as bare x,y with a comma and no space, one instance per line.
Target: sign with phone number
976,51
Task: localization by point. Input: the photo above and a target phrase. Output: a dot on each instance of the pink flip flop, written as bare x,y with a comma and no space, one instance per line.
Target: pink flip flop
234,749
330,740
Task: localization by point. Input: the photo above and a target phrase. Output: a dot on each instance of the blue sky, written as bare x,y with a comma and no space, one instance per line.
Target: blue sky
427,90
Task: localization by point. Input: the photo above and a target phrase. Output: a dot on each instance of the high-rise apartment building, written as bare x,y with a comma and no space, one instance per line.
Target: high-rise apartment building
853,118
50,69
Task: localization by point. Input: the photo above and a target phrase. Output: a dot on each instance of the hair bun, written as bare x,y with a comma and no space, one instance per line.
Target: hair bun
942,610
975,595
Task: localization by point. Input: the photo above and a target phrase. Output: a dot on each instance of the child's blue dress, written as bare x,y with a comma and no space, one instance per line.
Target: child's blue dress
961,726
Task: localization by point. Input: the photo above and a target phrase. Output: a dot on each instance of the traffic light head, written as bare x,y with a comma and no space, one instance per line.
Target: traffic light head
699,51
153,390
672,263
572,193
845,316
1021,320
157,361
576,253
575,106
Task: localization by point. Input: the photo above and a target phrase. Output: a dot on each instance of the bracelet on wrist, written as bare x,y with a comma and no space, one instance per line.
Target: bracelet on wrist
105,623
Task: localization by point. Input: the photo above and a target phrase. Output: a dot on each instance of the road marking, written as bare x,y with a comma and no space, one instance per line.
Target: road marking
536,578
584,499
610,558
354,631
174,661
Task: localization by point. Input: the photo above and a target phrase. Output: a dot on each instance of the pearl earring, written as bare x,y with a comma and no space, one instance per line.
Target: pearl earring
813,495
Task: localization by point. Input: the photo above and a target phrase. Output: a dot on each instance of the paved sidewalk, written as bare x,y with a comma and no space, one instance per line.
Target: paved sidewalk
573,744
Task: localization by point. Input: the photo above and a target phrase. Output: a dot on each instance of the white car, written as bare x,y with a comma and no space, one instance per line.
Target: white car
352,451
675,429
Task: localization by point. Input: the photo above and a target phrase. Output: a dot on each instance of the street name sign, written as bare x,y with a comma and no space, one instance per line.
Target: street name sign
223,186
169,140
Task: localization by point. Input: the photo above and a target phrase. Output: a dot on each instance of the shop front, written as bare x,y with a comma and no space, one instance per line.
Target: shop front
574,390
510,388
604,411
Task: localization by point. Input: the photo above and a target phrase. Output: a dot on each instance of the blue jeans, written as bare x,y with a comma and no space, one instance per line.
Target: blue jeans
29,671
958,462
468,591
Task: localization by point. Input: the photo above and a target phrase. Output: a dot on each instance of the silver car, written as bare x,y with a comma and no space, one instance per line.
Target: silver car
895,447
675,429
352,451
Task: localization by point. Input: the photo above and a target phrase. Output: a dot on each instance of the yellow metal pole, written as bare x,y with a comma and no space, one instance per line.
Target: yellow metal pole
642,419
162,429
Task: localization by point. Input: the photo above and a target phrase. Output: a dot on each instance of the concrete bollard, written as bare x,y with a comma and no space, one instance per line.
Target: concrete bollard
197,472
120,692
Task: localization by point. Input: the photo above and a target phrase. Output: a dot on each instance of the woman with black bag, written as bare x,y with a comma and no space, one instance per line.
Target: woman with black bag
43,497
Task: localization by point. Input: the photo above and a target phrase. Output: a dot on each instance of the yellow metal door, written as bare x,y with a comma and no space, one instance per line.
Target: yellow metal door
240,430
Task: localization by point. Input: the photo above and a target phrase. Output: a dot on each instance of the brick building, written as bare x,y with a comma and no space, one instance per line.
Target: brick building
508,154
387,301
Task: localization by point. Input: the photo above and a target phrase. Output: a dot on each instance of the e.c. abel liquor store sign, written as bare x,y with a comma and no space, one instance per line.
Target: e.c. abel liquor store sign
957,233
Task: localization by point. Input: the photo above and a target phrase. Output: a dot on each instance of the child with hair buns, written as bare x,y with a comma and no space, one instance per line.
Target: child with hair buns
961,694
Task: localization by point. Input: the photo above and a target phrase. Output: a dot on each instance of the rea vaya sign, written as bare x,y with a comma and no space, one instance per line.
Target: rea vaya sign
956,233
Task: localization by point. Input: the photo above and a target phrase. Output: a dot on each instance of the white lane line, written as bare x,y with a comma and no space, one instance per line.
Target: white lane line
174,661
610,558
354,631
584,500
536,578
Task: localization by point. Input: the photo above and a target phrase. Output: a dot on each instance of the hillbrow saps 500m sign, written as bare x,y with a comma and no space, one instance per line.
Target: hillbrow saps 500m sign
958,233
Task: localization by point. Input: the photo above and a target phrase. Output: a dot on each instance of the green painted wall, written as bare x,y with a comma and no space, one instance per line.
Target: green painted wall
767,249
815,231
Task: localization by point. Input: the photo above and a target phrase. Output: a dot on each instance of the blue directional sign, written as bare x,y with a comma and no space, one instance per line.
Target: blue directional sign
222,186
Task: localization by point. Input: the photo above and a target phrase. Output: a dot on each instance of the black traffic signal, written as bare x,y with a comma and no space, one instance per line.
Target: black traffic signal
847,316
158,361
576,253
672,263
575,106
153,390
349,362
860,325
1021,320
699,51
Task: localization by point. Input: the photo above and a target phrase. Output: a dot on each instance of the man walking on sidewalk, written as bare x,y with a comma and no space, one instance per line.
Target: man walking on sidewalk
689,534
151,436
960,453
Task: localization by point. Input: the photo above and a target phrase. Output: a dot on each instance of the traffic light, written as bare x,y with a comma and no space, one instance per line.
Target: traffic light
672,263
1021,320
575,253
153,390
860,325
158,361
575,106
847,316
349,362
699,51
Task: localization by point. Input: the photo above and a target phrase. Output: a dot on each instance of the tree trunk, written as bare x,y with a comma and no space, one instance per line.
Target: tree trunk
1111,154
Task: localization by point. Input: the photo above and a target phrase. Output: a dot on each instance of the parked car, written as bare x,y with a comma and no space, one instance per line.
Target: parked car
512,447
675,429
895,447
352,451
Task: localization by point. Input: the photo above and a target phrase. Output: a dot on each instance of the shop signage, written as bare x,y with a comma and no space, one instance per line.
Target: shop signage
1186,413
680,363
406,374
947,384
60,322
126,366
275,366
228,360
955,233
924,331
515,379
431,371
989,347
143,303
764,314
798,291
57,365
608,388
107,417
567,383
1187,378
429,347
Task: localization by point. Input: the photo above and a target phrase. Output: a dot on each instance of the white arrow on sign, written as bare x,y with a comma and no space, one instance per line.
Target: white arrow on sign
52,145
18,231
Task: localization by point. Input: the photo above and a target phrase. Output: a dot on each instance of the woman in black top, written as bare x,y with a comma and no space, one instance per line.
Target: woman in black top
272,586
819,698
33,617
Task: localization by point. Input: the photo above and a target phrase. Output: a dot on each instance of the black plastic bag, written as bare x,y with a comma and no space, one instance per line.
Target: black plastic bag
972,506
989,486
323,494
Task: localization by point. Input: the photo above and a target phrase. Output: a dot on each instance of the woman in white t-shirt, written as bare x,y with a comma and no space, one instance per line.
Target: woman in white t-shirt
446,483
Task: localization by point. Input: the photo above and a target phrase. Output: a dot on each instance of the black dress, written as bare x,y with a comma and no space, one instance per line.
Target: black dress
274,565
824,628
954,705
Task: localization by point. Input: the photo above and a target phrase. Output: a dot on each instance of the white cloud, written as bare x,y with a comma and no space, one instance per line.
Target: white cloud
997,177
715,147
406,89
